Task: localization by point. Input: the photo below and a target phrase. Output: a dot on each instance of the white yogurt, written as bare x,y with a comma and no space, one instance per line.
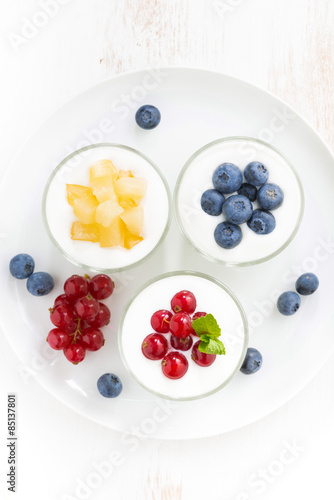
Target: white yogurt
199,227
59,214
198,381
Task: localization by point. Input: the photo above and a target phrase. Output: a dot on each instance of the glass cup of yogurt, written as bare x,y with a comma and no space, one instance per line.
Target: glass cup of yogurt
213,297
198,227
58,214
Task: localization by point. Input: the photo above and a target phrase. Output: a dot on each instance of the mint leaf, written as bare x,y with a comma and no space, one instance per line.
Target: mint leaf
213,346
207,325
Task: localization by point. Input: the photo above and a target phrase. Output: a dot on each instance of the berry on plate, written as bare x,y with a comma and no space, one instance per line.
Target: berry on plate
75,353
101,286
183,344
212,202
270,196
174,365
75,287
148,117
252,362
58,339
262,222
154,346
160,320
109,385
62,316
307,284
256,173
237,209
227,235
288,303
86,308
201,358
40,284
21,266
184,301
102,318
91,339
181,325
227,178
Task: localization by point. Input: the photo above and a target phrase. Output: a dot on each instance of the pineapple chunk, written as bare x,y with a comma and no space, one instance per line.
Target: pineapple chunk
102,168
113,235
130,239
85,232
124,173
130,187
128,202
134,219
84,208
107,211
75,191
103,188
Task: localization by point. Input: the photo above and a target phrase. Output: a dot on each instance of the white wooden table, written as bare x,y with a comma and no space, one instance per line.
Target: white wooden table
286,47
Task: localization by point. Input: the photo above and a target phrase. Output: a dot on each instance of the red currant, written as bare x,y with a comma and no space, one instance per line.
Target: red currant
75,353
91,339
198,315
71,327
102,318
184,301
182,344
75,287
62,316
174,365
101,286
61,300
154,346
180,325
86,308
160,321
58,339
201,358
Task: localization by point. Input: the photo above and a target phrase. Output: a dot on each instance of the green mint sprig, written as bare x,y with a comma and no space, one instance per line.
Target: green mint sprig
208,330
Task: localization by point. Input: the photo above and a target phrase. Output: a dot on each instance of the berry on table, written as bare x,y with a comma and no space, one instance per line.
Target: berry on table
91,339
184,301
109,385
160,320
256,173
262,222
75,353
21,266
148,117
86,308
154,346
288,303
227,235
227,178
75,287
212,202
183,344
270,196
174,365
201,358
181,325
307,284
102,318
252,362
58,339
237,209
101,286
248,190
40,284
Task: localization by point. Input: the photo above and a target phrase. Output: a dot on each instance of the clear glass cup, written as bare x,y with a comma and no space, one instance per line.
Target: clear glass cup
58,215
212,297
198,227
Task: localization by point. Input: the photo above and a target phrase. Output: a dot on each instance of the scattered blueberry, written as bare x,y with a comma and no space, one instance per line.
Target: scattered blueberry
227,235
237,209
307,284
148,117
252,362
249,191
270,196
256,173
227,178
288,303
109,385
262,222
21,266
212,202
40,284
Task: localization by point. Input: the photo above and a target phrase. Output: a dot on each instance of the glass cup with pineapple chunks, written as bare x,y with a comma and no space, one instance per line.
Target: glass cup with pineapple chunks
107,207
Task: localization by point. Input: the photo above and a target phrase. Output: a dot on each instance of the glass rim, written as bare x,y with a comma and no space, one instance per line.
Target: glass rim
199,275
96,268
231,263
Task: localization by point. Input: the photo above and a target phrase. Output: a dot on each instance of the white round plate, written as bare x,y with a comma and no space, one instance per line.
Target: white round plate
197,107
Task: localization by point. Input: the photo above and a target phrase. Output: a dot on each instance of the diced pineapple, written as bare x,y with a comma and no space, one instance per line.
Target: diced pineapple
124,173
101,168
127,202
130,239
107,211
85,232
103,188
84,208
113,235
131,187
133,219
75,191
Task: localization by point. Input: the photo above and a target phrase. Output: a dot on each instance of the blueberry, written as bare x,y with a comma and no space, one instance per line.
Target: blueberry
227,235
249,191
21,266
40,284
270,196
109,385
148,117
227,178
307,284
256,173
252,362
237,209
212,202
262,222
288,303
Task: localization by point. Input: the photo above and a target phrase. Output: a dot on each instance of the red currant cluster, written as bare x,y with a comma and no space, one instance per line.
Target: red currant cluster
78,315
179,324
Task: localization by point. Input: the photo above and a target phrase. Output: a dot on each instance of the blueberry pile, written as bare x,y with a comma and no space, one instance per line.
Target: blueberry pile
238,208
22,267
288,303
